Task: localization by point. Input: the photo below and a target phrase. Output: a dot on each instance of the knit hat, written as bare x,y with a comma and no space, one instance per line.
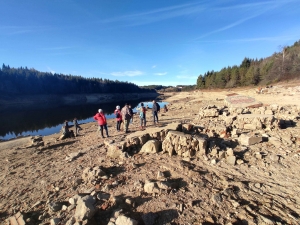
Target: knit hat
118,107
100,110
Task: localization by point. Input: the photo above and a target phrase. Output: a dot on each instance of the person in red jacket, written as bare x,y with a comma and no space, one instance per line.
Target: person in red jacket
118,117
100,117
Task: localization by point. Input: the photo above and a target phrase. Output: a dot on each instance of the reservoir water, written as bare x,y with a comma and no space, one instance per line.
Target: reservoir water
24,122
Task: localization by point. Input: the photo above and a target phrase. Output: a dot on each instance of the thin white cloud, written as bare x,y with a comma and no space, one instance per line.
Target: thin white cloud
275,38
158,14
164,83
258,8
160,74
154,66
50,70
130,73
15,30
228,26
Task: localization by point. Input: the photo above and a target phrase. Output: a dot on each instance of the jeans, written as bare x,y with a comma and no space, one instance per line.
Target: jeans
155,115
143,121
101,129
119,124
126,124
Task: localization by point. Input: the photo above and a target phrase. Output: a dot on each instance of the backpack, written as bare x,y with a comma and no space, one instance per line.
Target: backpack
118,115
127,116
158,107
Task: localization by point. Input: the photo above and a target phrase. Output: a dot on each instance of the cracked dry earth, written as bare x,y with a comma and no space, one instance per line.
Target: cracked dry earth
261,190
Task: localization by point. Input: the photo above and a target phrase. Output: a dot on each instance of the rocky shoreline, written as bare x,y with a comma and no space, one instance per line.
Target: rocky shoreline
208,162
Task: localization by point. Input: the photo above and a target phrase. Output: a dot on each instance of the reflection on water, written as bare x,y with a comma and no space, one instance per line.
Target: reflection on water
43,122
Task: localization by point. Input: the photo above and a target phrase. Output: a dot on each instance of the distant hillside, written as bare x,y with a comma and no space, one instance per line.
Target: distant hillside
280,66
170,88
24,81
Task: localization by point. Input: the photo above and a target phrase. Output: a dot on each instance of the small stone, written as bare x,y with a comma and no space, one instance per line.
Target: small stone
235,204
258,155
160,175
55,206
231,160
115,183
54,221
74,199
128,201
218,198
151,188
181,207
213,162
257,185
229,152
239,161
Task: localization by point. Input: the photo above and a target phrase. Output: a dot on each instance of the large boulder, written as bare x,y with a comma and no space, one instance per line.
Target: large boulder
115,149
85,208
152,146
250,139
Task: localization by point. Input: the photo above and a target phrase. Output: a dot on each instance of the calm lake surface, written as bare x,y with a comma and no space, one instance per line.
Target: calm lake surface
24,122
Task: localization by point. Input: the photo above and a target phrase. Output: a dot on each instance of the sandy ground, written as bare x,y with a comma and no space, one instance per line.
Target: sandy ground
259,191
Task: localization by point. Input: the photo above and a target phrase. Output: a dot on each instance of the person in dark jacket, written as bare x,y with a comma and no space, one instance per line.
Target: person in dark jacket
155,110
130,112
100,117
126,117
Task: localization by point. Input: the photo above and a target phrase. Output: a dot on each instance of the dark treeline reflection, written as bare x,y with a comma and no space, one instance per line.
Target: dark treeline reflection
29,120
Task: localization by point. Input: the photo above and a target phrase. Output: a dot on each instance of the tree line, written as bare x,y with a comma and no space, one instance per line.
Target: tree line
283,65
24,81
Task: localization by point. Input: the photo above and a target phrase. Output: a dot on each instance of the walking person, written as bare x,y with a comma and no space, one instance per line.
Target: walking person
118,117
100,117
131,112
155,110
77,127
143,116
126,117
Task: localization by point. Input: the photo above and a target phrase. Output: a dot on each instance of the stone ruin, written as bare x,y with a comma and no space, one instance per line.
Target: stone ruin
213,134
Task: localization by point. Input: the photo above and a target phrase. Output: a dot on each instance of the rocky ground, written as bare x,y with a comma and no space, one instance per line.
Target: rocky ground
208,162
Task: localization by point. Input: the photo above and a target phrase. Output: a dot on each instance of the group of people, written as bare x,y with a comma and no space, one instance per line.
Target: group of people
125,116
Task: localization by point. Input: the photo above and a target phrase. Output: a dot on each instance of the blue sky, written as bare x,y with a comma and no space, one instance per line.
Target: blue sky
166,42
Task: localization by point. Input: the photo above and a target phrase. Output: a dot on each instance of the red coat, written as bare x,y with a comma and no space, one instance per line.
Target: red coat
100,117
118,111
